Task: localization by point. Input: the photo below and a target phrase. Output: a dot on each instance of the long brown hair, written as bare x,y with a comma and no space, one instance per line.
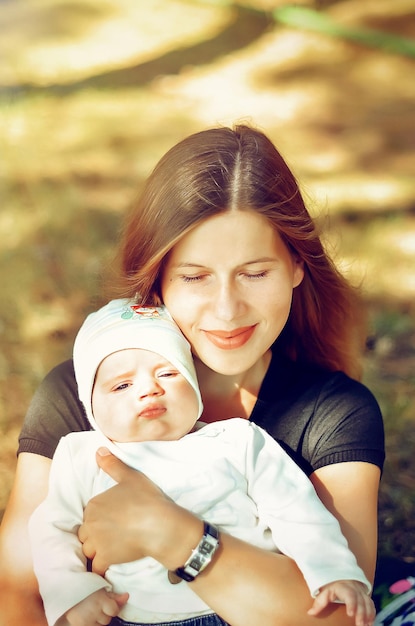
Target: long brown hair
224,169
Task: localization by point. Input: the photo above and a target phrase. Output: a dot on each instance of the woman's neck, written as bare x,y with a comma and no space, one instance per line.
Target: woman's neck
230,396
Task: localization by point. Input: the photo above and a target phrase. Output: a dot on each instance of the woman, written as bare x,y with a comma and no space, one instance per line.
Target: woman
221,236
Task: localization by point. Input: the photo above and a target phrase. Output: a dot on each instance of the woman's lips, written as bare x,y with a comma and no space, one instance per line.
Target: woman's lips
230,340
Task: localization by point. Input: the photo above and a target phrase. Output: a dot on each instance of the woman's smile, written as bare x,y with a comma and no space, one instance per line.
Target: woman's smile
230,340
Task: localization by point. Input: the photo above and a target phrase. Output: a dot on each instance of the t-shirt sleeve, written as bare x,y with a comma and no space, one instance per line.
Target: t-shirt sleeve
346,425
320,417
54,411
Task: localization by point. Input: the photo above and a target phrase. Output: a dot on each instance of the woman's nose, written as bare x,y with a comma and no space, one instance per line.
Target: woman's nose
228,302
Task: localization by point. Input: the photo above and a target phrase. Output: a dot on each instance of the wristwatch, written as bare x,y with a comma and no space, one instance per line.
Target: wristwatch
201,556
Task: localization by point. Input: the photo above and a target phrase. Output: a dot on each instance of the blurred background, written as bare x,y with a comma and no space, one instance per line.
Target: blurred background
93,93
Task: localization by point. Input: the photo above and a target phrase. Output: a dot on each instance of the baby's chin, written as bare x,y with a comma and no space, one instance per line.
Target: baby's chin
153,432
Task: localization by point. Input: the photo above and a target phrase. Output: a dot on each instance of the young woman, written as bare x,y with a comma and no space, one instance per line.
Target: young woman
221,236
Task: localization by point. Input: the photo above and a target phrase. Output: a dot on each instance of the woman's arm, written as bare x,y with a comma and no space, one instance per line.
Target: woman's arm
19,596
350,492
245,585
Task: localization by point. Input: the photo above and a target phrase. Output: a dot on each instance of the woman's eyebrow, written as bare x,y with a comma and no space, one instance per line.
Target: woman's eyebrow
253,262
265,259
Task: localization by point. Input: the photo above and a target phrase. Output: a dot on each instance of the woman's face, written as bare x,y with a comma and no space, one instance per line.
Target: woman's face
228,285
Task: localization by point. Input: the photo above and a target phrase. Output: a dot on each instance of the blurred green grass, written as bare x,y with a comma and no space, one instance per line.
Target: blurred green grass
73,160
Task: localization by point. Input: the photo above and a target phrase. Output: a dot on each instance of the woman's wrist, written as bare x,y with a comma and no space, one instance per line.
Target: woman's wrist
200,557
179,538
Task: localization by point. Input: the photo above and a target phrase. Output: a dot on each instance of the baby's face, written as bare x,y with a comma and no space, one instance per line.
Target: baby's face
139,396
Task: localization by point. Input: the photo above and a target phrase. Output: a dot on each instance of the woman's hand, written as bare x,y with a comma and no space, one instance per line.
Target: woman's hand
135,519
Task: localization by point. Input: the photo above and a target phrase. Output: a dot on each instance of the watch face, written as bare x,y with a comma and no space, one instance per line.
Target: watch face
206,547
200,558
197,560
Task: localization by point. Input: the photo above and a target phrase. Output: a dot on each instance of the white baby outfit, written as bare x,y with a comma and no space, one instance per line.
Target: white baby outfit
230,473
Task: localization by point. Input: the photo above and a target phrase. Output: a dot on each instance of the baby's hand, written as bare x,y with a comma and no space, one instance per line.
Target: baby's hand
98,608
353,594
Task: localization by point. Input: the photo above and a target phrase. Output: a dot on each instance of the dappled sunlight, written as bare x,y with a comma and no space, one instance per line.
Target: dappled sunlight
392,268
99,37
405,242
104,143
365,12
359,193
45,321
396,278
16,229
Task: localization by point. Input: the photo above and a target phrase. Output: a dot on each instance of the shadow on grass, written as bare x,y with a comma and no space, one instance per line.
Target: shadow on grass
246,27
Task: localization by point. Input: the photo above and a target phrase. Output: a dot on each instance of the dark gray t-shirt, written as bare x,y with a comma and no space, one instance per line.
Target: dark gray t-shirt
319,417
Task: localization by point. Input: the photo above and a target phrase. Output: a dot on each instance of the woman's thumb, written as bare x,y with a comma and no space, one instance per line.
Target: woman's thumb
111,465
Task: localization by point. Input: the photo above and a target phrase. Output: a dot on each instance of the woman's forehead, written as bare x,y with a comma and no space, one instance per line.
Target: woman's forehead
237,237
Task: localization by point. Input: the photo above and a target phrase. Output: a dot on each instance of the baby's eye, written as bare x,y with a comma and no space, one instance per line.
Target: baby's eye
121,387
168,374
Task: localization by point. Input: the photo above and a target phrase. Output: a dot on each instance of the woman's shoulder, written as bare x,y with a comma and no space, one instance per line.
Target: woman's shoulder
55,410
320,416
288,382
59,386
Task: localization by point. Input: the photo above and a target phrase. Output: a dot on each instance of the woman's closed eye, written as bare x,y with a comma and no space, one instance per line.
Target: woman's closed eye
192,279
250,275
257,275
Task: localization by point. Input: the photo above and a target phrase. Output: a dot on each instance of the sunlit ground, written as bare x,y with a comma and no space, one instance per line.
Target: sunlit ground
92,94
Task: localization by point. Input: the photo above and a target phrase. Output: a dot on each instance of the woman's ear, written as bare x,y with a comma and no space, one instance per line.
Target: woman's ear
298,270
